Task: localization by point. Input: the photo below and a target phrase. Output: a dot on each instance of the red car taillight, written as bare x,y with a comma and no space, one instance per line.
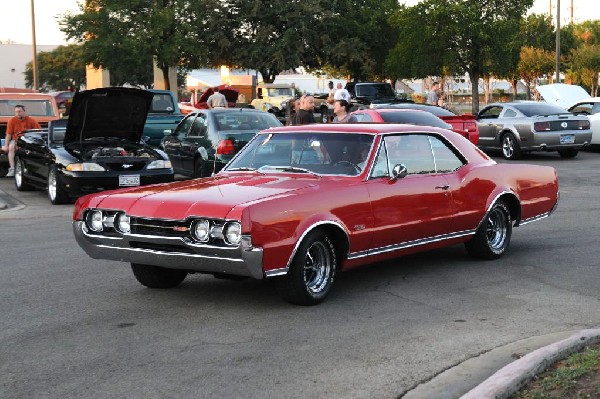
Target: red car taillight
583,125
470,126
225,147
541,126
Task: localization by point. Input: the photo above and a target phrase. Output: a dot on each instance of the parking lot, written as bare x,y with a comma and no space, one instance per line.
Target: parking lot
78,327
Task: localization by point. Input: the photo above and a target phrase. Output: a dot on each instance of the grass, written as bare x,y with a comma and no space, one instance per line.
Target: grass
577,376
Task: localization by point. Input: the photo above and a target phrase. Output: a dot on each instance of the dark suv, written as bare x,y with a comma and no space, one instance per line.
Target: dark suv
366,93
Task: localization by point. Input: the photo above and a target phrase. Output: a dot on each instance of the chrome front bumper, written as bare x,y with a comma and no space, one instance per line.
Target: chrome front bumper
244,260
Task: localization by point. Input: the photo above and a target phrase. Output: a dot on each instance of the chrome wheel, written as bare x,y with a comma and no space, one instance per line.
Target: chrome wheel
52,185
496,229
317,267
18,173
510,147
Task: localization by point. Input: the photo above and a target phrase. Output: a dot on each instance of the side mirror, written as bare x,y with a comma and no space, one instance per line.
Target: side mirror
399,171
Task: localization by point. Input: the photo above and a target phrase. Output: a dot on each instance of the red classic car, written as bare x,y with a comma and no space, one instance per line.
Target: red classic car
300,203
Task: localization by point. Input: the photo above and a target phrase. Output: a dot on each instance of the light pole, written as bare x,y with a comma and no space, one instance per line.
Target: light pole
557,41
34,61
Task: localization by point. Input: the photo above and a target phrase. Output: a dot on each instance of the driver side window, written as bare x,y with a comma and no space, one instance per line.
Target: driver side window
184,127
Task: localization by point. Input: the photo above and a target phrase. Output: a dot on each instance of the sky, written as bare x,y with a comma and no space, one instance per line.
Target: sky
15,17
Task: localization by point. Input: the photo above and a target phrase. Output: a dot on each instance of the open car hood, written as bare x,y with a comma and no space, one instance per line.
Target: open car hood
230,93
109,112
563,95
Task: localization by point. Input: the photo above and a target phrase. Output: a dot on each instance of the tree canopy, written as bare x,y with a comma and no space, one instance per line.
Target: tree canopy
59,69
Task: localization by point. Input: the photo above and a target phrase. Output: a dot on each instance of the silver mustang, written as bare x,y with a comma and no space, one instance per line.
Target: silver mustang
519,127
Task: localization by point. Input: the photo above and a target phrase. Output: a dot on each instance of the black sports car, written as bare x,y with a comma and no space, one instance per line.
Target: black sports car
98,148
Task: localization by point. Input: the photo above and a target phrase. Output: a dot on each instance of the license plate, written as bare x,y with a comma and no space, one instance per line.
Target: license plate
129,180
567,139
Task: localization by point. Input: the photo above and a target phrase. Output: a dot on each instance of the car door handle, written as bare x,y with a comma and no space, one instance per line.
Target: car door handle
444,187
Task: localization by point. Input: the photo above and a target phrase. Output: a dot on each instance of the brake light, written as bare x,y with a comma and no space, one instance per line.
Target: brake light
583,125
541,126
470,126
225,147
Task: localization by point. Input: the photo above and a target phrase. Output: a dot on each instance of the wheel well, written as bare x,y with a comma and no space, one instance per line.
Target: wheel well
513,206
340,241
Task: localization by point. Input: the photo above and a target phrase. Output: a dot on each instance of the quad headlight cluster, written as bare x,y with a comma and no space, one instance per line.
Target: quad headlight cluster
199,230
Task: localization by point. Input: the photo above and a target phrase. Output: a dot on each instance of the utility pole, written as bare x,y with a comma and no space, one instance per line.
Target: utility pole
34,61
557,41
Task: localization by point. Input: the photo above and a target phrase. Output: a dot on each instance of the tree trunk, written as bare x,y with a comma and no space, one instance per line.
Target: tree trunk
513,83
474,76
165,72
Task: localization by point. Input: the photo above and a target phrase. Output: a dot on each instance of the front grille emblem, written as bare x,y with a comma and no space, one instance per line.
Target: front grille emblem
127,165
564,125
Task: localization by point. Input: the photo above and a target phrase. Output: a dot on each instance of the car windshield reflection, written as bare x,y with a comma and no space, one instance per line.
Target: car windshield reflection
313,153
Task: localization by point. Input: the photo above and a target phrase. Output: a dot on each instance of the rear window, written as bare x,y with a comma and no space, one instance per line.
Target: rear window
162,103
254,121
32,107
539,109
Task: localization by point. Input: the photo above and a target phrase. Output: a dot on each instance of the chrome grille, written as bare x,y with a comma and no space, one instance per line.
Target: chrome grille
159,227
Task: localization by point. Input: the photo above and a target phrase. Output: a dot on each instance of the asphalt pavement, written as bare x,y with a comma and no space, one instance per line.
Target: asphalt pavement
497,373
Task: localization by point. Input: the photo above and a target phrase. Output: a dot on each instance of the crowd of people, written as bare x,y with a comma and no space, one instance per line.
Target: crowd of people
338,104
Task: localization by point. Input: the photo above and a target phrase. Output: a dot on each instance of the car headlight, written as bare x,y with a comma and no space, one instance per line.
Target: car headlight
85,167
94,220
159,164
201,230
123,223
232,233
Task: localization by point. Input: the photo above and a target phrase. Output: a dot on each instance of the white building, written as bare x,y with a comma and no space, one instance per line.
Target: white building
13,59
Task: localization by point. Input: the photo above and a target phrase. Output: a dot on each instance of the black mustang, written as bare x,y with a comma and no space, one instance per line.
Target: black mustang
97,149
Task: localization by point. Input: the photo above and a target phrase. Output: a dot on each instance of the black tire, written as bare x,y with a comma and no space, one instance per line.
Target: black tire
56,195
157,277
568,153
510,147
20,180
493,235
311,272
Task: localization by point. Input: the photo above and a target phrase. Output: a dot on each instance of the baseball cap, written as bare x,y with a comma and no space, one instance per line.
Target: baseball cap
342,94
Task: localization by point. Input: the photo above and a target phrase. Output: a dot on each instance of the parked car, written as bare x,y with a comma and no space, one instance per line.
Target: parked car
576,100
300,203
206,140
519,127
273,97
369,94
97,149
164,115
42,107
410,116
465,124
63,101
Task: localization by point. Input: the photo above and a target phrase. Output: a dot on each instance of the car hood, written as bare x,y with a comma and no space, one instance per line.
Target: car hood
109,112
212,197
563,95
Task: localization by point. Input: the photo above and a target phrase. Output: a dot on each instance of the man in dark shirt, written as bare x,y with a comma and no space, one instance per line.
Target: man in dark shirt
305,114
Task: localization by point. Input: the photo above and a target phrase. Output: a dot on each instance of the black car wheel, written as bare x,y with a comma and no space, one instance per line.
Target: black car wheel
510,147
157,277
199,169
568,153
311,273
493,235
20,180
56,195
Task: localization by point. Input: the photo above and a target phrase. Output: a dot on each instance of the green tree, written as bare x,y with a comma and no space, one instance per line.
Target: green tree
125,36
59,69
534,63
584,66
537,30
466,36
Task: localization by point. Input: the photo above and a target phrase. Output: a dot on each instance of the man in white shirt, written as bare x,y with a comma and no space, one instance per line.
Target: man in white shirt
216,100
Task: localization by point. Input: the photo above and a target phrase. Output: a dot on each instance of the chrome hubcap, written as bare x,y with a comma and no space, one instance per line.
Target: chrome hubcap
52,185
496,229
508,147
18,174
317,267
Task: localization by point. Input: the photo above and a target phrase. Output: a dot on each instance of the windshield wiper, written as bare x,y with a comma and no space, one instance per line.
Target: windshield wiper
243,169
292,169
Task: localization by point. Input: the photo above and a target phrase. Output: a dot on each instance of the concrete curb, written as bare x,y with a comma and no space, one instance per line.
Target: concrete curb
512,377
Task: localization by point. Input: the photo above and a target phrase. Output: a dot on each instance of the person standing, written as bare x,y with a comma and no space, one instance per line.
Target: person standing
341,107
216,100
432,97
305,114
330,102
14,129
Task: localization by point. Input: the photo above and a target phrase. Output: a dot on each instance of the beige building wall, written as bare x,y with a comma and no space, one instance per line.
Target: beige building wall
13,59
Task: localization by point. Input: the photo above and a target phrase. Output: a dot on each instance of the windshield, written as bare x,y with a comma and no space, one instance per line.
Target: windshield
374,90
539,109
32,107
320,153
245,121
281,91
